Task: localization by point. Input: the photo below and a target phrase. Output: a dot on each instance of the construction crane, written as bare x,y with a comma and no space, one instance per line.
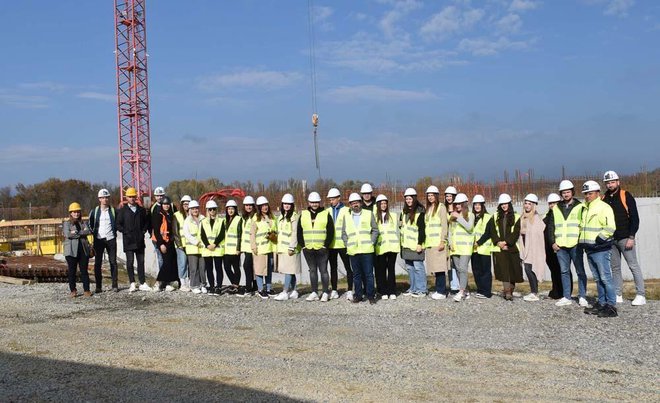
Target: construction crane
133,97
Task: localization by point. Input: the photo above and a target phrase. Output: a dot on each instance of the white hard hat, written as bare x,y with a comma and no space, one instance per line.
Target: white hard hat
210,204
193,204
248,200
231,203
314,197
553,198
186,198
460,198
432,189
261,200
380,198
565,185
532,198
159,191
610,176
103,193
410,192
590,186
354,197
287,198
478,199
504,198
451,190
366,188
334,192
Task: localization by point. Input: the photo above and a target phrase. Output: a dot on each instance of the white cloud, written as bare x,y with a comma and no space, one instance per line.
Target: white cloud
449,21
262,79
43,85
618,7
523,5
388,23
509,23
23,101
377,94
321,14
99,96
488,47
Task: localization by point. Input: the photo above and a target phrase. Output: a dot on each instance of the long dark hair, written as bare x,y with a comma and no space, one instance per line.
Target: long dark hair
246,215
379,216
260,214
432,207
478,216
287,214
501,212
410,211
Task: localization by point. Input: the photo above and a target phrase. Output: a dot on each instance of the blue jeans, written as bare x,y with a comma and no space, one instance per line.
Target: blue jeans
417,274
182,263
268,277
363,266
289,282
565,256
599,262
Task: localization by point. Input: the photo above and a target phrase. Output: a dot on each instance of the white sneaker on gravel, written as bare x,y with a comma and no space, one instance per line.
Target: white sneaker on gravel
516,294
334,294
459,296
349,295
619,299
385,297
169,288
437,296
184,288
283,296
156,287
294,294
583,302
325,297
196,290
312,297
480,296
407,293
418,294
144,287
204,290
639,300
563,302
132,288
392,296
531,298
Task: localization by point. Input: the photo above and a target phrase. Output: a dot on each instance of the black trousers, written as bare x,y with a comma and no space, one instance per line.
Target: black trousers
232,268
73,263
333,254
248,268
101,246
531,276
551,260
209,262
483,276
385,273
131,255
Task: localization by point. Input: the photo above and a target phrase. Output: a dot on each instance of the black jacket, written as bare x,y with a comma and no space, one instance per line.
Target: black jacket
627,222
133,227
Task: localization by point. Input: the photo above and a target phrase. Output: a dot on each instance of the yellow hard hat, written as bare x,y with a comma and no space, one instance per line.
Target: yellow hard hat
74,207
130,192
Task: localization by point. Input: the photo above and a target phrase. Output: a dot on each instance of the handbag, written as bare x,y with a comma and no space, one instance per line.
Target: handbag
87,248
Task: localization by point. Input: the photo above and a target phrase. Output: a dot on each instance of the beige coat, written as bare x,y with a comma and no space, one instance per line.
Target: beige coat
532,251
437,261
290,264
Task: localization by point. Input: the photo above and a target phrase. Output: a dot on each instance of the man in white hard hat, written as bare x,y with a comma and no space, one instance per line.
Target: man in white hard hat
338,211
133,223
154,214
627,223
180,243
102,224
564,230
550,255
367,193
360,234
596,238
315,234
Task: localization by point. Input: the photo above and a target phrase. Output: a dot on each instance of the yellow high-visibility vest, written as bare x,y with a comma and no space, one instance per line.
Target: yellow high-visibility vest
264,245
410,232
387,236
359,238
211,234
285,232
460,239
597,219
479,230
231,235
245,234
567,230
314,233
337,242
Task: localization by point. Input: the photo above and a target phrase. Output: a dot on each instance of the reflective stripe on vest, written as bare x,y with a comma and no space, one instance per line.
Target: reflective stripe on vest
359,239
245,235
387,238
567,231
264,245
193,229
461,240
597,219
180,219
231,236
409,232
433,229
479,230
211,234
314,233
337,242
285,232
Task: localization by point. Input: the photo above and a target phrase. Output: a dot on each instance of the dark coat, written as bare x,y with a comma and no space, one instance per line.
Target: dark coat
133,227
507,262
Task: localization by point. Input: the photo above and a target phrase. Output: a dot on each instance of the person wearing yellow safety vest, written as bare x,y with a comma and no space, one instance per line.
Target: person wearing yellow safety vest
263,241
360,234
532,246
413,237
288,252
133,223
232,259
503,230
550,255
192,226
461,243
102,223
212,236
338,211
480,260
387,247
315,234
163,235
597,237
564,229
437,228
76,249
247,216
450,195
180,243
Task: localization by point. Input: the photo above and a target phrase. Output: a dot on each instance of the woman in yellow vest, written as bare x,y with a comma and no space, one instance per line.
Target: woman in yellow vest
192,226
436,241
387,247
246,225
263,241
450,195
232,259
413,237
503,230
288,252
316,232
480,260
180,243
461,243
212,236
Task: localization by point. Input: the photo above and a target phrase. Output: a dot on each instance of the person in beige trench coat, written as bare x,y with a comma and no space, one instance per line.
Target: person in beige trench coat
288,252
532,245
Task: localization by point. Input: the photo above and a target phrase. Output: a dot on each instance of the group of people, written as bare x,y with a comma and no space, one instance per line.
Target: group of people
441,237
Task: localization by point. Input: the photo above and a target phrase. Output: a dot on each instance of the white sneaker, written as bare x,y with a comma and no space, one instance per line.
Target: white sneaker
639,300
563,302
156,287
385,297
294,294
531,298
458,297
132,288
196,290
349,295
583,302
169,288
619,299
283,296
312,297
204,290
516,294
407,293
325,297
144,287
184,287
392,296
334,294
437,296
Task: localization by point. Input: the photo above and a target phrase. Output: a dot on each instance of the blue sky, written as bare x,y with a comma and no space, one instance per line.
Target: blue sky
405,88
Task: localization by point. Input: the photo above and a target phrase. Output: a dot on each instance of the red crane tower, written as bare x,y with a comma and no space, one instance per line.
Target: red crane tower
132,97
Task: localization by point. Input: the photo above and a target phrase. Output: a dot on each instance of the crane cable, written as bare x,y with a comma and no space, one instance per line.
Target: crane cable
312,69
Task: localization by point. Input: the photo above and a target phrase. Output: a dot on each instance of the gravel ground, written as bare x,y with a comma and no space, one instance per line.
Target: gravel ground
176,346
